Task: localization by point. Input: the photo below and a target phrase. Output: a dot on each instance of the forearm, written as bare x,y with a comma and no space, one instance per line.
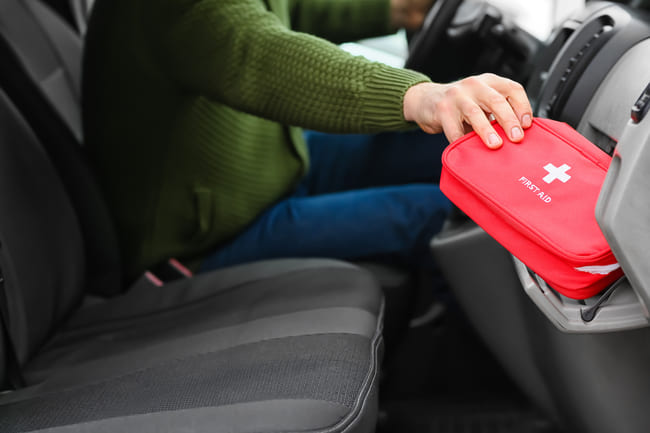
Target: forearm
237,53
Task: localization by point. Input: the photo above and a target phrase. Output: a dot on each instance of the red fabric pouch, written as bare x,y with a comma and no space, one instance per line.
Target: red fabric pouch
537,199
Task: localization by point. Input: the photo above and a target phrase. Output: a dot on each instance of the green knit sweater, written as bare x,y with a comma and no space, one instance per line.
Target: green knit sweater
186,103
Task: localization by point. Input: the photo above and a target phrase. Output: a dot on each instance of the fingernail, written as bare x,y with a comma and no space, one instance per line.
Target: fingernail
494,140
517,134
526,120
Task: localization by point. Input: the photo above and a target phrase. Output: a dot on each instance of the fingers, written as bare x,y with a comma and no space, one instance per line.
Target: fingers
456,116
452,127
516,97
472,101
477,118
480,98
506,100
496,103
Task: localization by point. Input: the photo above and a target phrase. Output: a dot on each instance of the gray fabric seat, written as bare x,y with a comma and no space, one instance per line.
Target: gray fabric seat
289,345
240,305
246,365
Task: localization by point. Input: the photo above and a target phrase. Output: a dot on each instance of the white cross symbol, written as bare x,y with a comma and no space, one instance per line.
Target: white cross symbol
558,173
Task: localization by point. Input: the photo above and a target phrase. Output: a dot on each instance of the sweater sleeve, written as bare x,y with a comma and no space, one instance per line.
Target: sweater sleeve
341,20
239,54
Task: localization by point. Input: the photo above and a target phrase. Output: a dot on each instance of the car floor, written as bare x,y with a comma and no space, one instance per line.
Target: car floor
440,378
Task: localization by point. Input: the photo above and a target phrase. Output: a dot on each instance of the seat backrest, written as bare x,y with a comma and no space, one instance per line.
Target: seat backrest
75,12
41,75
51,53
41,247
80,11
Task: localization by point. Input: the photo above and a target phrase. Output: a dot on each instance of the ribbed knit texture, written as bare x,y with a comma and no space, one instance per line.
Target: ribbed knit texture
176,97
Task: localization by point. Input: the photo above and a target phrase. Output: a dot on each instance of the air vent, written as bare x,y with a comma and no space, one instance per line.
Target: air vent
576,60
544,61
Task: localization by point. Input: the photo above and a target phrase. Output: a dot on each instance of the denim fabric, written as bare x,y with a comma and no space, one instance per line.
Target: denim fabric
365,196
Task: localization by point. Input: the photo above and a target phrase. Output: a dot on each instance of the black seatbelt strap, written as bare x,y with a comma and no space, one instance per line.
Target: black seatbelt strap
14,373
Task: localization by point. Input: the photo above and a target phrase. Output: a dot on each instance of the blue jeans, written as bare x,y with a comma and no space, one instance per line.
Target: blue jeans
365,196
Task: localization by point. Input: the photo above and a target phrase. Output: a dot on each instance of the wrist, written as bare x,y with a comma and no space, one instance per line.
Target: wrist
419,105
413,97
409,102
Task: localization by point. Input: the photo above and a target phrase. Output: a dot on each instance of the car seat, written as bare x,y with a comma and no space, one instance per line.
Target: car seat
285,345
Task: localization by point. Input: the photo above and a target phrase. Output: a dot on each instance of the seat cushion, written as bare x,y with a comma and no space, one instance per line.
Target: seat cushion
285,345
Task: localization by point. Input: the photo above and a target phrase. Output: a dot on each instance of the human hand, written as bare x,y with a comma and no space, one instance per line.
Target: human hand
458,107
409,14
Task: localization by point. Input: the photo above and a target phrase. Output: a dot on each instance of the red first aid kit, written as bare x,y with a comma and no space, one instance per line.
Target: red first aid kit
537,198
